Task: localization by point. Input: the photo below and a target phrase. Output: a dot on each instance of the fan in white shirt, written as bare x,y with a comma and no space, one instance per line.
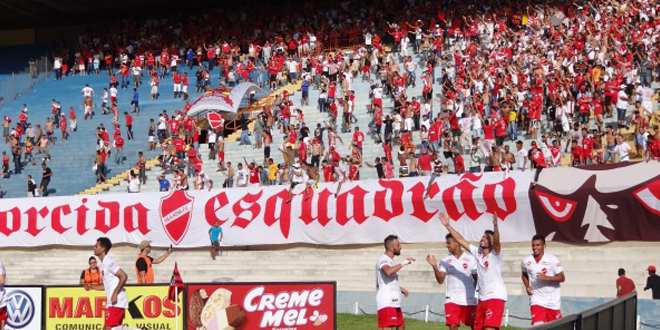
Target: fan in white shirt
541,274
388,291
460,271
87,91
492,291
114,279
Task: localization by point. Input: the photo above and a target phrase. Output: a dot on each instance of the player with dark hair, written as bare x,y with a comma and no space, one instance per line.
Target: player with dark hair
114,279
460,271
388,291
541,274
492,291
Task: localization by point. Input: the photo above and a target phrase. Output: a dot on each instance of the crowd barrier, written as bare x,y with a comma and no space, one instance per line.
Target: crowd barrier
617,314
300,305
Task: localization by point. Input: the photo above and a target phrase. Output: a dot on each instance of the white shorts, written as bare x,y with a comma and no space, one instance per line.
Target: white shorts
177,87
154,89
408,124
88,109
151,139
185,89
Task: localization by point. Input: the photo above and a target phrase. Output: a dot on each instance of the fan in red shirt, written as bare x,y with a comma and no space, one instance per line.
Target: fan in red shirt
254,173
577,154
62,127
459,163
327,172
539,160
500,131
358,137
652,149
302,152
179,147
174,125
354,172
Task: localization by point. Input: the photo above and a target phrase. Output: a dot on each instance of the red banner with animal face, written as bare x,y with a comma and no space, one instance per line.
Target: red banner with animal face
256,306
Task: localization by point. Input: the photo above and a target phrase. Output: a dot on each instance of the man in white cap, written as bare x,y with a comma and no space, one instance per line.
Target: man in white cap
297,177
622,105
143,269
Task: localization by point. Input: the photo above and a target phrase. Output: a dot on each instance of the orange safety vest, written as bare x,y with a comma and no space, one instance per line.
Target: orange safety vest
149,275
93,278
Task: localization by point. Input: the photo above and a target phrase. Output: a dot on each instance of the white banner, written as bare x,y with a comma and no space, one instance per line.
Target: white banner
365,212
24,310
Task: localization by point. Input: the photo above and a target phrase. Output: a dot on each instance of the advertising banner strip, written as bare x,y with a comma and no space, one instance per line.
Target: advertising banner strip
73,308
254,306
567,204
24,307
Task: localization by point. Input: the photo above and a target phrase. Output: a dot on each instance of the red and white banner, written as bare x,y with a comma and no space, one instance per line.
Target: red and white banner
257,306
568,204
364,212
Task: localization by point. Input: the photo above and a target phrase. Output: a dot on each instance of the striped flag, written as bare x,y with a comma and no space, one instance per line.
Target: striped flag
175,282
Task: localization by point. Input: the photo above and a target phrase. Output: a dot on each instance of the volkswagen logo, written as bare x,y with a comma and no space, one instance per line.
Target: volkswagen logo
20,309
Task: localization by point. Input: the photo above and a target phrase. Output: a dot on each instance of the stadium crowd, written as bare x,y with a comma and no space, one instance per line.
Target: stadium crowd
563,74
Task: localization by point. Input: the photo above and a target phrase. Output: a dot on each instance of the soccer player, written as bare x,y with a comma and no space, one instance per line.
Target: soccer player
3,297
388,291
541,274
492,291
114,279
460,271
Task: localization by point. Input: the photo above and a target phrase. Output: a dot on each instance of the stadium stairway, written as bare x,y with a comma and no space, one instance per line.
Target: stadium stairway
591,270
72,160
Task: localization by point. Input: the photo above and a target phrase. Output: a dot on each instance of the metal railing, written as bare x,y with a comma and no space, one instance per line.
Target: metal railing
17,84
617,314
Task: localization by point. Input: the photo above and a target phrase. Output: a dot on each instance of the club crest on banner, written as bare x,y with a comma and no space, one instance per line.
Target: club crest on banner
176,214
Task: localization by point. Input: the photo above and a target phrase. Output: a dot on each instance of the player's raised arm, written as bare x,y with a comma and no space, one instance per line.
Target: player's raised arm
496,237
453,232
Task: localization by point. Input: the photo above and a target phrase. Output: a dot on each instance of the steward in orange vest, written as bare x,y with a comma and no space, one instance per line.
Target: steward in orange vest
143,262
91,275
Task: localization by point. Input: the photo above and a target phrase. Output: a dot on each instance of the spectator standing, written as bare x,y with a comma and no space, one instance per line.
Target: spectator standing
215,234
245,139
143,263
623,148
141,164
91,275
31,187
133,185
129,125
624,285
119,150
653,282
135,102
242,176
45,179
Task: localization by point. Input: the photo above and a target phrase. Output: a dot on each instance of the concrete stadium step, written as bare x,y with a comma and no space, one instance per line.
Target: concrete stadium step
590,269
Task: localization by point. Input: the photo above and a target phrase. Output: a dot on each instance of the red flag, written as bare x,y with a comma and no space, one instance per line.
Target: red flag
175,282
